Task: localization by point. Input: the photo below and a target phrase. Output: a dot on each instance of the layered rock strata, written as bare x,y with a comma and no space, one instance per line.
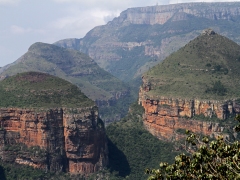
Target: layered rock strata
58,140
161,14
165,116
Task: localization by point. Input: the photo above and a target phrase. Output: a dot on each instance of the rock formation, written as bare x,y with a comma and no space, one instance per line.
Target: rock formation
165,116
68,140
161,14
193,89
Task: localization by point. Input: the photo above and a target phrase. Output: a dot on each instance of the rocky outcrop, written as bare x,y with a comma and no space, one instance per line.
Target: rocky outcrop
58,140
165,117
176,12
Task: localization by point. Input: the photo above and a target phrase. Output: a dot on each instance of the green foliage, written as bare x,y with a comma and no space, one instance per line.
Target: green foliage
119,108
21,172
180,131
218,88
215,159
132,148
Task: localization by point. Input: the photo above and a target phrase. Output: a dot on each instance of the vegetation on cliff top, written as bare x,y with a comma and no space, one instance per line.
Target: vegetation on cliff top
40,90
206,68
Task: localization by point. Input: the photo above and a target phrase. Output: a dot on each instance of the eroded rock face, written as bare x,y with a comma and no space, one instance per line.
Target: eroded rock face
164,116
68,140
161,14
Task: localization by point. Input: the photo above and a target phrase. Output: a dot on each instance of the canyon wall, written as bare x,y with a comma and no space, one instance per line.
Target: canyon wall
57,140
161,14
165,117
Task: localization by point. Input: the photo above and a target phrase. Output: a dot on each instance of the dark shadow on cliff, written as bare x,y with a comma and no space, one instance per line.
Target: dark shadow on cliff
2,174
117,160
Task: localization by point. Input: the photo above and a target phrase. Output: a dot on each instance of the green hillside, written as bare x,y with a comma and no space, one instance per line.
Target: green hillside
206,68
71,65
111,95
40,90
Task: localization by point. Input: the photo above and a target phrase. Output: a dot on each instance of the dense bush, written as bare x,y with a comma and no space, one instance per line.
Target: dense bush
218,88
217,159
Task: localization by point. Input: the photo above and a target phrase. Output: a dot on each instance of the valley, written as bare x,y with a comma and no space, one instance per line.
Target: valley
119,100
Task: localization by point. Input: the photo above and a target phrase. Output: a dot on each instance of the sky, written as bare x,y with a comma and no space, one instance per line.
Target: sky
24,22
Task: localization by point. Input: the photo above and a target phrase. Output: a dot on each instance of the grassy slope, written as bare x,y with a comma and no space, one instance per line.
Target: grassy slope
71,65
40,90
193,70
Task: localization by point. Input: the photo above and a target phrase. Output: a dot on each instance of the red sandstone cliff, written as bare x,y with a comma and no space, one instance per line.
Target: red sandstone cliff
69,140
164,116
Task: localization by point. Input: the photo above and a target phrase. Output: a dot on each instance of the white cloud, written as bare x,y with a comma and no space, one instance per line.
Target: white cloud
78,22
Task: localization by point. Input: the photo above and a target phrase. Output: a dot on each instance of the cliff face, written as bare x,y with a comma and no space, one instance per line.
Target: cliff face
176,12
68,140
164,117
141,37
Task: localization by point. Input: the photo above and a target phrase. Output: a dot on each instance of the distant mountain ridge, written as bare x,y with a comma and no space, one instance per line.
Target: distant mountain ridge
78,68
141,37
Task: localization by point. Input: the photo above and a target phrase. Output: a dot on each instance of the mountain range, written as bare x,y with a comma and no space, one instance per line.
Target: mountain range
190,80
141,37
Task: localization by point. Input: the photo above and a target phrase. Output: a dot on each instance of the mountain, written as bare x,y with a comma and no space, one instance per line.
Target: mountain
141,37
77,68
49,124
195,88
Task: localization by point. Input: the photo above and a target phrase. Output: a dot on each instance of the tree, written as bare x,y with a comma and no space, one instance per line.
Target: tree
216,159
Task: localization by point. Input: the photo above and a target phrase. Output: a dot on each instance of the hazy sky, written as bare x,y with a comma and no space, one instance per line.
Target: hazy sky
24,22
